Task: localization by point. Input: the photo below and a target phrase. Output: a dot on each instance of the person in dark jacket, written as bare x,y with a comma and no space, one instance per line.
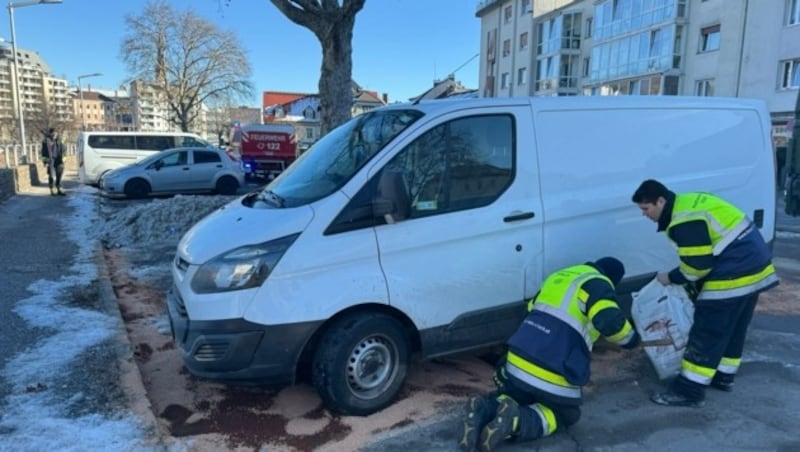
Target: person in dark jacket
539,384
53,158
723,255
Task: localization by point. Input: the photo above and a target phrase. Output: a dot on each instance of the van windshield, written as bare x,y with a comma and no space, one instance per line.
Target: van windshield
335,158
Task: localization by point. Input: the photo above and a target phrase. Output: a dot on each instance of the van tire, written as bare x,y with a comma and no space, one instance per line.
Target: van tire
376,344
227,185
137,188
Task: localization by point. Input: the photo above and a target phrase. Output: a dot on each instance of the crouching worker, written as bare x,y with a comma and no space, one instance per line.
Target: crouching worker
539,384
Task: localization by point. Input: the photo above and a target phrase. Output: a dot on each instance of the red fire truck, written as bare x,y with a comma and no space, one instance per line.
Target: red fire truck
264,149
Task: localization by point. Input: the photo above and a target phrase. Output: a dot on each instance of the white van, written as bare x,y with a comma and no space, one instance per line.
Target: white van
423,229
99,152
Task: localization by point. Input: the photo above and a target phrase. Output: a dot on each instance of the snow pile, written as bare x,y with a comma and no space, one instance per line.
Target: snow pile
158,221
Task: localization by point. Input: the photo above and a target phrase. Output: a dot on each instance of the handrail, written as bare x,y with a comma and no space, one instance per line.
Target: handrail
11,156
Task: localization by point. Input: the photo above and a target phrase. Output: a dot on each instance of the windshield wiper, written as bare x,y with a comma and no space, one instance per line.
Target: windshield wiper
272,197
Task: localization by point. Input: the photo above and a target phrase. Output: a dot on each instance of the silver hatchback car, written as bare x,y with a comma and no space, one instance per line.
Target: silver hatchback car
173,171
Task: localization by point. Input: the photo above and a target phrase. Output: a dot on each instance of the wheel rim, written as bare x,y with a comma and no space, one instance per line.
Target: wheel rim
371,366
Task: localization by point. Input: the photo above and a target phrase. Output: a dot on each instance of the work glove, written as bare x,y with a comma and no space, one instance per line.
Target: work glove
45,160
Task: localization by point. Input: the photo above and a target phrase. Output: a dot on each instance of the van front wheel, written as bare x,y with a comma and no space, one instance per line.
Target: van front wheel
361,363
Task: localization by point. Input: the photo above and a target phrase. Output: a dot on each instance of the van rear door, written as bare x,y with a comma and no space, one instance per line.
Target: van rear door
459,263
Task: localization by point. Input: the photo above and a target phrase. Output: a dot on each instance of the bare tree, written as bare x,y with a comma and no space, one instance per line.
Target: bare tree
187,57
332,23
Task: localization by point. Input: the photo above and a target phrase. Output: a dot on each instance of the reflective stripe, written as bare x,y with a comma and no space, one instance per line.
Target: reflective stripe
729,365
694,250
574,323
561,311
732,235
696,373
624,336
726,236
572,392
732,288
533,369
691,273
599,306
549,424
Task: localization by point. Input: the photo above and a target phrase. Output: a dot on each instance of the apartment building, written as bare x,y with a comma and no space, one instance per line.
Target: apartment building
45,99
731,48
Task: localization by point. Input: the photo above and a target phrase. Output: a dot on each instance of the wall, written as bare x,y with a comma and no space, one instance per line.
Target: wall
22,178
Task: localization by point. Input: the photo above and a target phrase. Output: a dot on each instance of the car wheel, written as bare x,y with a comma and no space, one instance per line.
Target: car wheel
227,185
361,363
137,188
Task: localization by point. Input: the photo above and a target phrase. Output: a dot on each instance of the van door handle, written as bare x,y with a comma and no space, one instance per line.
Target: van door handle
519,216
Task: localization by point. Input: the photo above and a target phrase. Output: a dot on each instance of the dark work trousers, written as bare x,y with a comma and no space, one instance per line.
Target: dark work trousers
54,174
530,424
719,330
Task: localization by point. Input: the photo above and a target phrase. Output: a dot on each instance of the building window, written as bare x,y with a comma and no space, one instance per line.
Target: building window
507,14
790,74
506,47
504,80
524,7
523,41
704,87
709,38
792,12
522,76
309,133
588,27
586,66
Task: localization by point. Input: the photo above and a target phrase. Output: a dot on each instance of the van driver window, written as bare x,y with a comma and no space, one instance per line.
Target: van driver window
462,164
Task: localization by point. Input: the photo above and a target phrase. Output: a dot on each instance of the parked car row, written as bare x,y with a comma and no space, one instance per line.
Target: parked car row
173,171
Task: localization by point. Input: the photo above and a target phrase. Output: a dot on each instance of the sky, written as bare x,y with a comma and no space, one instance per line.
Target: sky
399,46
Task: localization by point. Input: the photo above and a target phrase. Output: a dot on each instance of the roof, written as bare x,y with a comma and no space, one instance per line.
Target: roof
92,96
280,97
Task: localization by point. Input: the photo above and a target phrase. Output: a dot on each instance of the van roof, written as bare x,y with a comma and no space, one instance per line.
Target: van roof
101,132
582,102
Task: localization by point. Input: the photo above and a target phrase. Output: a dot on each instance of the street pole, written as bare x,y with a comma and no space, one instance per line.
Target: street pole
17,71
80,95
18,80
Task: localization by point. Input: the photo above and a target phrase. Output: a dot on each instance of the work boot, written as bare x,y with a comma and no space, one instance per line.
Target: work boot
52,193
670,398
475,417
61,193
722,381
504,425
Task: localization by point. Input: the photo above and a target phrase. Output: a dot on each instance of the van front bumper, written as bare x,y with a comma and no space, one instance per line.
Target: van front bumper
235,349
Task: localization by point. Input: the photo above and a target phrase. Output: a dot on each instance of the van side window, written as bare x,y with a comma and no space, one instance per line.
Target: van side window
111,142
153,142
462,164
188,142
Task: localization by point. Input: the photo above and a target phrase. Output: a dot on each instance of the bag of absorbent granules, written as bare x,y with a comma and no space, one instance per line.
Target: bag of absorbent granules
663,314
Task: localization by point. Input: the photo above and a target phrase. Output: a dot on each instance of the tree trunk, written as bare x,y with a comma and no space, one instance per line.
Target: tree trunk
335,90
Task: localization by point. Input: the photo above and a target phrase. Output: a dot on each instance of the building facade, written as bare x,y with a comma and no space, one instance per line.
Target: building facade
730,48
45,99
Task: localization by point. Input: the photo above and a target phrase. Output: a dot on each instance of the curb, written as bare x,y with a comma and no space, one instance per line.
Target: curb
130,376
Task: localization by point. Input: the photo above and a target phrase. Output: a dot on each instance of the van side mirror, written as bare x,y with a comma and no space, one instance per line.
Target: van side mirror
392,201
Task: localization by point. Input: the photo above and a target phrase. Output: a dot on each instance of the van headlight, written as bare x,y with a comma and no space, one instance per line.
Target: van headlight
242,268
